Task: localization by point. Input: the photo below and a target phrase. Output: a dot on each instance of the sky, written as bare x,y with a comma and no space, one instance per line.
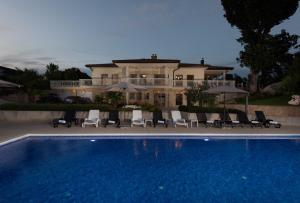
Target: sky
72,33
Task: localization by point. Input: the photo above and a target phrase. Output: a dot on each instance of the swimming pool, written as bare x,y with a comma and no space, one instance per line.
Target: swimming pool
51,169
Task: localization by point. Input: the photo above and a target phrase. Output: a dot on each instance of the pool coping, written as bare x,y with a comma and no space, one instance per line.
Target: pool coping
205,136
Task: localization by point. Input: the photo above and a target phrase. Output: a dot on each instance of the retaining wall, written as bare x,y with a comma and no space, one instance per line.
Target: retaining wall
286,115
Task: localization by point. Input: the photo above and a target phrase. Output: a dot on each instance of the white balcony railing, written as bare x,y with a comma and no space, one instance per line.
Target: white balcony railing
147,82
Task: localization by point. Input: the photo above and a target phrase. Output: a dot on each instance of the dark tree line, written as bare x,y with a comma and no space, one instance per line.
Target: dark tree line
34,83
267,55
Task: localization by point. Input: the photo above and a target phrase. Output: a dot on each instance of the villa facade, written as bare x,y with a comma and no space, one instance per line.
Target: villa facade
164,80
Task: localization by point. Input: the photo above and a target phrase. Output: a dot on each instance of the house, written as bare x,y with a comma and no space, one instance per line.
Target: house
165,80
6,73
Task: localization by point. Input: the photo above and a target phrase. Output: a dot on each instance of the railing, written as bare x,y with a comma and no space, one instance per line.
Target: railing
147,82
63,83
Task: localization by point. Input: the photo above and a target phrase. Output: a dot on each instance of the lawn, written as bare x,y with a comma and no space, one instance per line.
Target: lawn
281,100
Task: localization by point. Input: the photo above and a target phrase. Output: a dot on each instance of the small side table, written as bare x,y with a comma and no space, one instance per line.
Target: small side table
194,121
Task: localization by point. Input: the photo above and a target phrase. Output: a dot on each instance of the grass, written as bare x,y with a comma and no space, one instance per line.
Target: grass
280,100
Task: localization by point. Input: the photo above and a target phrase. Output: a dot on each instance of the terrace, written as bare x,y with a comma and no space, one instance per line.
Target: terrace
147,82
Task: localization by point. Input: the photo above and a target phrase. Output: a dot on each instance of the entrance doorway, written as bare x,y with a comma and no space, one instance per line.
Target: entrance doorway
160,99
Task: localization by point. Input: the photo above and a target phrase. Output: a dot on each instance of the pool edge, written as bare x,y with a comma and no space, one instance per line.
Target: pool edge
160,136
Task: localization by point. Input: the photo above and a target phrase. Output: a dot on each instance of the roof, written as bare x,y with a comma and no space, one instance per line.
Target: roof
210,67
147,61
4,83
181,65
225,89
7,69
188,65
101,65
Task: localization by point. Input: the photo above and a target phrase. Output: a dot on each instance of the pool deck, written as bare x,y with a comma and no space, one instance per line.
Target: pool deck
10,130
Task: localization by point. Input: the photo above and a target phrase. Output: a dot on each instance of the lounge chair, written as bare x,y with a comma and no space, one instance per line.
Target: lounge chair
113,118
177,119
137,118
260,116
244,120
158,119
202,119
234,119
214,120
192,118
93,119
225,119
229,119
67,120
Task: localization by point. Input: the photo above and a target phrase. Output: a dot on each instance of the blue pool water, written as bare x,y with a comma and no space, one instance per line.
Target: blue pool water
150,170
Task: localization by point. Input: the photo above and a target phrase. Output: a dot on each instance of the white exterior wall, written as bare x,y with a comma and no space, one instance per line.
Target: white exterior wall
197,72
97,72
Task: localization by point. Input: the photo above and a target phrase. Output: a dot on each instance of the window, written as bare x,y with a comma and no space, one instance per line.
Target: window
147,96
178,99
143,80
139,96
104,78
132,96
190,80
115,78
159,79
179,79
160,99
133,78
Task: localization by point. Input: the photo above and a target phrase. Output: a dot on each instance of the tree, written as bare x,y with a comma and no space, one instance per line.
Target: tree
114,98
195,95
53,72
255,19
32,83
74,74
269,59
291,83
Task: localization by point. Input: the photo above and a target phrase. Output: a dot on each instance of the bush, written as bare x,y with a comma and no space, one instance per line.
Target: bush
196,109
54,107
149,107
63,107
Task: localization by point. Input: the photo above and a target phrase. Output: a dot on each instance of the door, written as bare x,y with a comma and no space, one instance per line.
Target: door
160,99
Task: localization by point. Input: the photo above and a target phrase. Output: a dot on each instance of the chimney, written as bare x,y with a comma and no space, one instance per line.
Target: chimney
202,61
153,56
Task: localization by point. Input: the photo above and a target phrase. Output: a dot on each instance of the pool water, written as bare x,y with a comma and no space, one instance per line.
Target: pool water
150,170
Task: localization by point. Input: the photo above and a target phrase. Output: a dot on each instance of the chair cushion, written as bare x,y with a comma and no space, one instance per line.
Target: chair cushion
62,121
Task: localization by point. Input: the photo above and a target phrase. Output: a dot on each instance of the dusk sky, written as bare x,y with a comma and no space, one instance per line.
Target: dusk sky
76,32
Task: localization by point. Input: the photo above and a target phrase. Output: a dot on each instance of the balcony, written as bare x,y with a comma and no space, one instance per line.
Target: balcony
146,82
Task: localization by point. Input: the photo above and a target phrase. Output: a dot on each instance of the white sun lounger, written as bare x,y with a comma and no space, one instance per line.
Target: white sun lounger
177,119
137,118
93,119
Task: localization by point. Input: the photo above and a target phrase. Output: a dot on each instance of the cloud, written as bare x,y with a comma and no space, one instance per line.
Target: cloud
27,59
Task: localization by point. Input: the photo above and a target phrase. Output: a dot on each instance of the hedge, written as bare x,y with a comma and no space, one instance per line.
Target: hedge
196,109
53,107
63,107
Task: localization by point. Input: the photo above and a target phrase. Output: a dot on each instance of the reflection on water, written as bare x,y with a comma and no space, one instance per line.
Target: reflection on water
156,151
178,144
145,146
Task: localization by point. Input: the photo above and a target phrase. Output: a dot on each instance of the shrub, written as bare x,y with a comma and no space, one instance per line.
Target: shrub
149,107
54,107
196,109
